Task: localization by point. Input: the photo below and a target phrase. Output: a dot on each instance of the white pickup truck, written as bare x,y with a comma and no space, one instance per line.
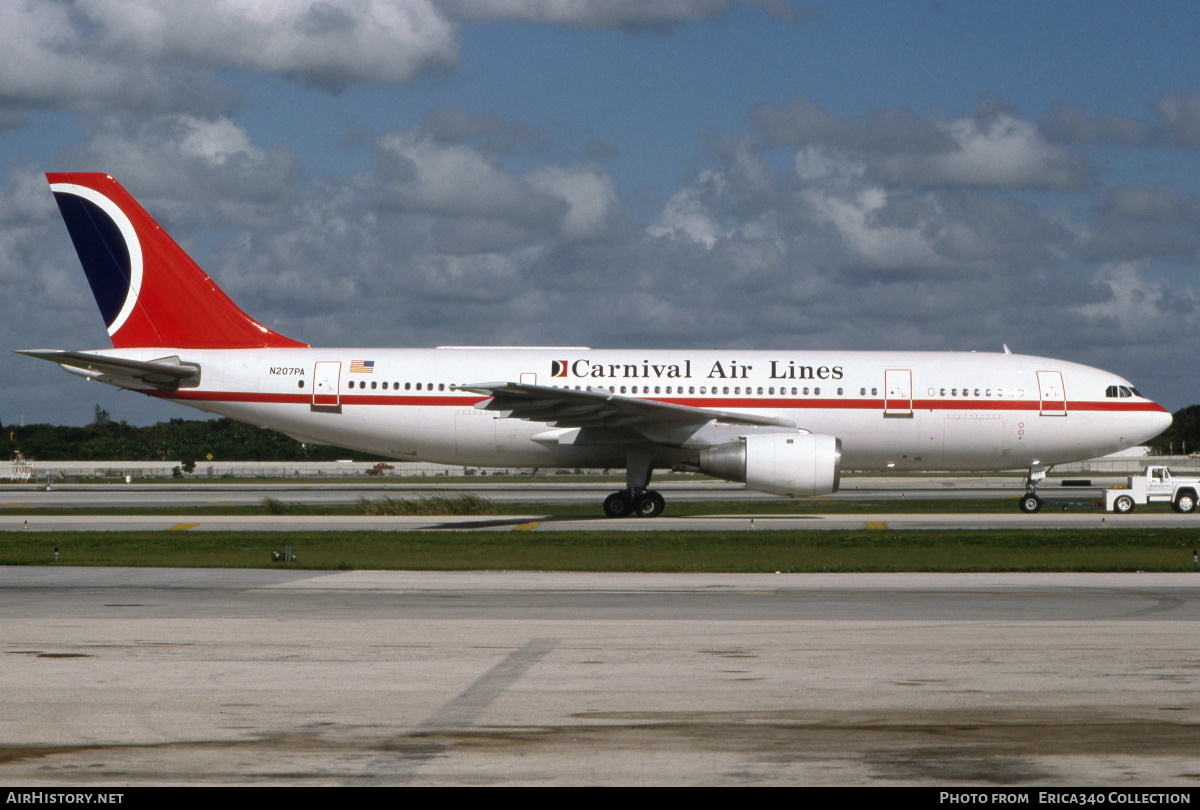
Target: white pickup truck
1155,485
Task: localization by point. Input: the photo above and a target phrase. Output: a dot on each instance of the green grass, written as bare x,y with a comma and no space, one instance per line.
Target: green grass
1111,549
461,503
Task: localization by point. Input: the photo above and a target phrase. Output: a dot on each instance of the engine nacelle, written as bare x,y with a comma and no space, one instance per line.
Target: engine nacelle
792,464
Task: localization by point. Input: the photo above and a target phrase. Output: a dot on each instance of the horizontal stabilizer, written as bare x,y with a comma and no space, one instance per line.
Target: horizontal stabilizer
166,373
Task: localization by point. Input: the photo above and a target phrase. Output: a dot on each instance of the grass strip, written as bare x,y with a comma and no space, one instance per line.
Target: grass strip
744,551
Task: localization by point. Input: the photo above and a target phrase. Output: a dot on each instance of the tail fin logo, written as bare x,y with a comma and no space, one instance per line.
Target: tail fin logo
104,235
150,292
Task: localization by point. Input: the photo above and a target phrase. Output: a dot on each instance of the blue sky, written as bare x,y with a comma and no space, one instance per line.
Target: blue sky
935,175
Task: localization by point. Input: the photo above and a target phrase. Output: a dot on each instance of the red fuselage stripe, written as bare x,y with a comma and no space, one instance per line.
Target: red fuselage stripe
408,400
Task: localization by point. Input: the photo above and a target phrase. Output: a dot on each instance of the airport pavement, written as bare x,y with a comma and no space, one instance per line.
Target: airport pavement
882,488
1046,519
118,677
539,490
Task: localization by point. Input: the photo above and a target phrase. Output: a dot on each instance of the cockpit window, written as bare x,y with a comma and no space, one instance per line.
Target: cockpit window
1120,391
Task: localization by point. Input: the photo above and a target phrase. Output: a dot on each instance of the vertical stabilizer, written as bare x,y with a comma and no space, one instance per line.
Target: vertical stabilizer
149,290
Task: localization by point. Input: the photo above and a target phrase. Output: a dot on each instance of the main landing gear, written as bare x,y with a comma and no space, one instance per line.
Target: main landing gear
636,500
626,502
1030,502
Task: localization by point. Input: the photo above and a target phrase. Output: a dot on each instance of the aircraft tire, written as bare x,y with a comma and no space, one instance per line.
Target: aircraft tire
1123,505
649,504
1030,503
619,504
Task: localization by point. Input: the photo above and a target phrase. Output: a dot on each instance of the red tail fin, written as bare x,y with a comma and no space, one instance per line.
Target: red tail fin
149,290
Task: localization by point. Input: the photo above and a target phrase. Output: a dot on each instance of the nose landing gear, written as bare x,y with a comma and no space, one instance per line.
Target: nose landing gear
1030,502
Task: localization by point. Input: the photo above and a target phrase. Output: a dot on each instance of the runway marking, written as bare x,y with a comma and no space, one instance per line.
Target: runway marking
182,527
526,527
458,714
876,524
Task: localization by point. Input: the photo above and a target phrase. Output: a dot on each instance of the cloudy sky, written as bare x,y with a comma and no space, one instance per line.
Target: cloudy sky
621,173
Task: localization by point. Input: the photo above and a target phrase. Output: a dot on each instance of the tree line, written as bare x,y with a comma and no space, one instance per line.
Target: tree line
1182,437
184,440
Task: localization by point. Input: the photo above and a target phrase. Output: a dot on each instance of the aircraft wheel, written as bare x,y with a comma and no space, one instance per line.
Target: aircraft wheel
1030,503
649,504
1123,505
1185,503
618,504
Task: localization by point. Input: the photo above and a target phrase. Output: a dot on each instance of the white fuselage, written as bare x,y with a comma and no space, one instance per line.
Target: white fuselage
891,410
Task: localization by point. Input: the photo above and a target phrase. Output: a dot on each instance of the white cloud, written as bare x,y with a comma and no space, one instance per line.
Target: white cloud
444,178
327,42
814,164
216,141
621,14
162,54
1002,152
589,193
1138,304
869,241
46,61
687,216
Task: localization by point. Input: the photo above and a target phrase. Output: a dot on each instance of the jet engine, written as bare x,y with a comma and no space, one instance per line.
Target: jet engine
792,464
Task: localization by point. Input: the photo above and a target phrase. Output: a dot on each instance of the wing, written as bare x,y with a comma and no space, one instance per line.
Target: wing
165,373
598,408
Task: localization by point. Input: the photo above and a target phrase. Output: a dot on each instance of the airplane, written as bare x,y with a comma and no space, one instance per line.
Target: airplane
785,422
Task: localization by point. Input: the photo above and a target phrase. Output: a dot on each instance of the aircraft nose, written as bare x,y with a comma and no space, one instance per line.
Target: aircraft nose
1156,422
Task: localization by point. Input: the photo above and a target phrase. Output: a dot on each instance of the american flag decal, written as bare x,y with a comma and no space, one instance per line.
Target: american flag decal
362,366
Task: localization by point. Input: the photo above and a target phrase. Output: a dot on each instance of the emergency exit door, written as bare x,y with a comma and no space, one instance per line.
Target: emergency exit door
897,392
1052,394
326,390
